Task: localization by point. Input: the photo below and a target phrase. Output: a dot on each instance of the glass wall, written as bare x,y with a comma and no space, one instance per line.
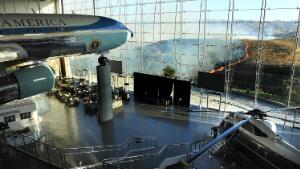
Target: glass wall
253,43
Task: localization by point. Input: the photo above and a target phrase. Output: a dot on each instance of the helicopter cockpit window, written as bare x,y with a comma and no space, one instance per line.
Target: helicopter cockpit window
222,123
226,125
254,130
231,115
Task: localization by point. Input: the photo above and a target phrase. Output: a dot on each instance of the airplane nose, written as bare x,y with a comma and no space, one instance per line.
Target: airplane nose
131,34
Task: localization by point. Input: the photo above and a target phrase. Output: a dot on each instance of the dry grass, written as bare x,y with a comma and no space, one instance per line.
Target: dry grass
276,52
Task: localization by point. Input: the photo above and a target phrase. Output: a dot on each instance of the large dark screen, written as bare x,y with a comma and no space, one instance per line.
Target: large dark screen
157,90
116,66
211,81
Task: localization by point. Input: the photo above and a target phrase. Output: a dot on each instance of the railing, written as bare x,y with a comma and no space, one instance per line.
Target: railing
46,140
197,145
133,153
140,151
35,148
93,156
147,161
150,159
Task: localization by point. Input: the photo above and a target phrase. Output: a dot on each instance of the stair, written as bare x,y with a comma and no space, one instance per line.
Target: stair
217,147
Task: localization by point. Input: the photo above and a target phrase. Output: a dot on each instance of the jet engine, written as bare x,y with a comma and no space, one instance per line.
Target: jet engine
26,82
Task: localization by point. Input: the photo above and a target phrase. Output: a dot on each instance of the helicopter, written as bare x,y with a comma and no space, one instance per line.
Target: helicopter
258,140
253,135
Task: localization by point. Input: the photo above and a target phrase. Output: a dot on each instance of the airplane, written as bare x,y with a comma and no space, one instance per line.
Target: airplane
36,37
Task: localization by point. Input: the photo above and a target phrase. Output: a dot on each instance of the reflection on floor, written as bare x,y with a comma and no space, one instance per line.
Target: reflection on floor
71,127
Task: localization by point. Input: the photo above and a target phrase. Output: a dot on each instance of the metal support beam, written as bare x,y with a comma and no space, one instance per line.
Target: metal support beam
62,6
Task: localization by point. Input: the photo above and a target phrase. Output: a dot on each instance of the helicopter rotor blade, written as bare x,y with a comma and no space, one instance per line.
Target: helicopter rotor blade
191,110
284,119
280,109
201,110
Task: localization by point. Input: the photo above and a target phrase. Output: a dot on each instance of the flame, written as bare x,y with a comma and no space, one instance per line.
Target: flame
220,69
244,58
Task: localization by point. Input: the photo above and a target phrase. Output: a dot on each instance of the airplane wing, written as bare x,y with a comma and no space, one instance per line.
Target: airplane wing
12,51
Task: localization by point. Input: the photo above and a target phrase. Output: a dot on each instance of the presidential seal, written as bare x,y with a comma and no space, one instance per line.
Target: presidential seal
95,44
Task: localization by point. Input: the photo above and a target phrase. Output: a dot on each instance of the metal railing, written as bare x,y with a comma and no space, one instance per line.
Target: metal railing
35,148
89,157
147,161
133,153
196,146
150,159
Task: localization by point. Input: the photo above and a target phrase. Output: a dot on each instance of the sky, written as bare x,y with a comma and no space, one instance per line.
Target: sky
194,5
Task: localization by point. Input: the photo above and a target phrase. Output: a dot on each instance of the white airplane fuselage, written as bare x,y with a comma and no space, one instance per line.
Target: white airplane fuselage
39,36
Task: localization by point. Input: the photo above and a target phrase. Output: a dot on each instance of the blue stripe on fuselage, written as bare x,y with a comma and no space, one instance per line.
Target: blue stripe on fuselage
102,24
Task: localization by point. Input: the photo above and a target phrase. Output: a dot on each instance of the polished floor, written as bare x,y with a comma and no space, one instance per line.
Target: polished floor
72,127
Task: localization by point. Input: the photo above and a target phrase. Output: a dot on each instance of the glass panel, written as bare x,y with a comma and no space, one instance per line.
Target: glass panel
277,53
242,63
168,33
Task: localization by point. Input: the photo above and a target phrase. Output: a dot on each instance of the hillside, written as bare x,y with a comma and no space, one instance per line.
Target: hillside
274,52
277,56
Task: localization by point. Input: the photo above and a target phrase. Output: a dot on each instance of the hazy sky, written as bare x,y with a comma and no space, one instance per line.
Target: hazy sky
278,14
79,6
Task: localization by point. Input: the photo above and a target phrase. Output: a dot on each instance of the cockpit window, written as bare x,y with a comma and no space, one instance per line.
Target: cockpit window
226,125
231,115
222,123
254,130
